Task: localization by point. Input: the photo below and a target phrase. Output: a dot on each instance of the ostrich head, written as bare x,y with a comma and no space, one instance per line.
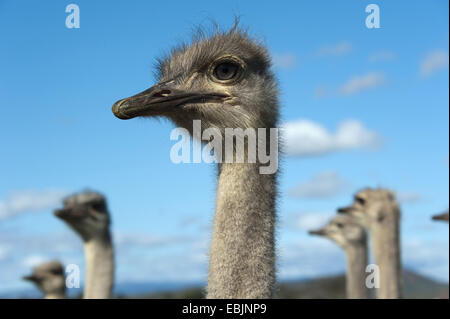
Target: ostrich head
49,278
86,213
224,80
373,206
343,230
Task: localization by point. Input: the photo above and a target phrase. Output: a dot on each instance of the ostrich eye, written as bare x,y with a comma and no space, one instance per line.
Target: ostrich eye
360,200
226,71
55,272
339,225
98,206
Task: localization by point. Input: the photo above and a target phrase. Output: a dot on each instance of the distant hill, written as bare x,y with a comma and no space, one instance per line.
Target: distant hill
332,287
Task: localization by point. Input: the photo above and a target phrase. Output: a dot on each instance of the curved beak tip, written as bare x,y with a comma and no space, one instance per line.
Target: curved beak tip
117,110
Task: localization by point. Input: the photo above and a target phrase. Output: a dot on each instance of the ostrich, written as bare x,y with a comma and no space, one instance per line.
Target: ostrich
49,278
442,217
225,80
87,214
351,237
378,211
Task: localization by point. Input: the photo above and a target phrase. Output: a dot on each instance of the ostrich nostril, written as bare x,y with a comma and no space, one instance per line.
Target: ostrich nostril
162,93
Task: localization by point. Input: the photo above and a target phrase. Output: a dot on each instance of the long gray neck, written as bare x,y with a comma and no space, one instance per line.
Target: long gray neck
356,254
99,267
386,249
242,255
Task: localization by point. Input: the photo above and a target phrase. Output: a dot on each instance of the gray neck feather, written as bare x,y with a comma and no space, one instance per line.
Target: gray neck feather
386,249
242,255
99,267
356,270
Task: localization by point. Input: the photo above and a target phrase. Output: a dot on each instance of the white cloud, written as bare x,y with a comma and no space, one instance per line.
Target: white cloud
338,49
322,185
408,197
312,220
382,56
285,61
305,138
433,62
364,82
20,202
34,260
51,243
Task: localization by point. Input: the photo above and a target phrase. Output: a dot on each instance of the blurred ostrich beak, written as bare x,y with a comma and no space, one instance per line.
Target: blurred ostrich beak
71,212
160,99
319,232
32,278
345,210
443,217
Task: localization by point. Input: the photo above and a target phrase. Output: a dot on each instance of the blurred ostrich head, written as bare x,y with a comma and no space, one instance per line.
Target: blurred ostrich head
373,206
86,213
343,230
49,278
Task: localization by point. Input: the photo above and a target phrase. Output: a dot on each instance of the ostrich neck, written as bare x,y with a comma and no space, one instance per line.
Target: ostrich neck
99,267
386,249
356,254
60,295
242,247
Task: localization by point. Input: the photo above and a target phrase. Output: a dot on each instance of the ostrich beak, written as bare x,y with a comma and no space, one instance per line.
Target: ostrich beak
160,99
344,210
443,217
319,232
71,213
32,278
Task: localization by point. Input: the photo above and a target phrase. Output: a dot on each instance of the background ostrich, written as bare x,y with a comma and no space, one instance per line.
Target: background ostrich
49,278
443,217
378,211
225,81
87,214
351,236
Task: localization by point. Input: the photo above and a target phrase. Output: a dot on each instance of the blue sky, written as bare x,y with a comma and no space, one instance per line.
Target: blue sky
373,104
